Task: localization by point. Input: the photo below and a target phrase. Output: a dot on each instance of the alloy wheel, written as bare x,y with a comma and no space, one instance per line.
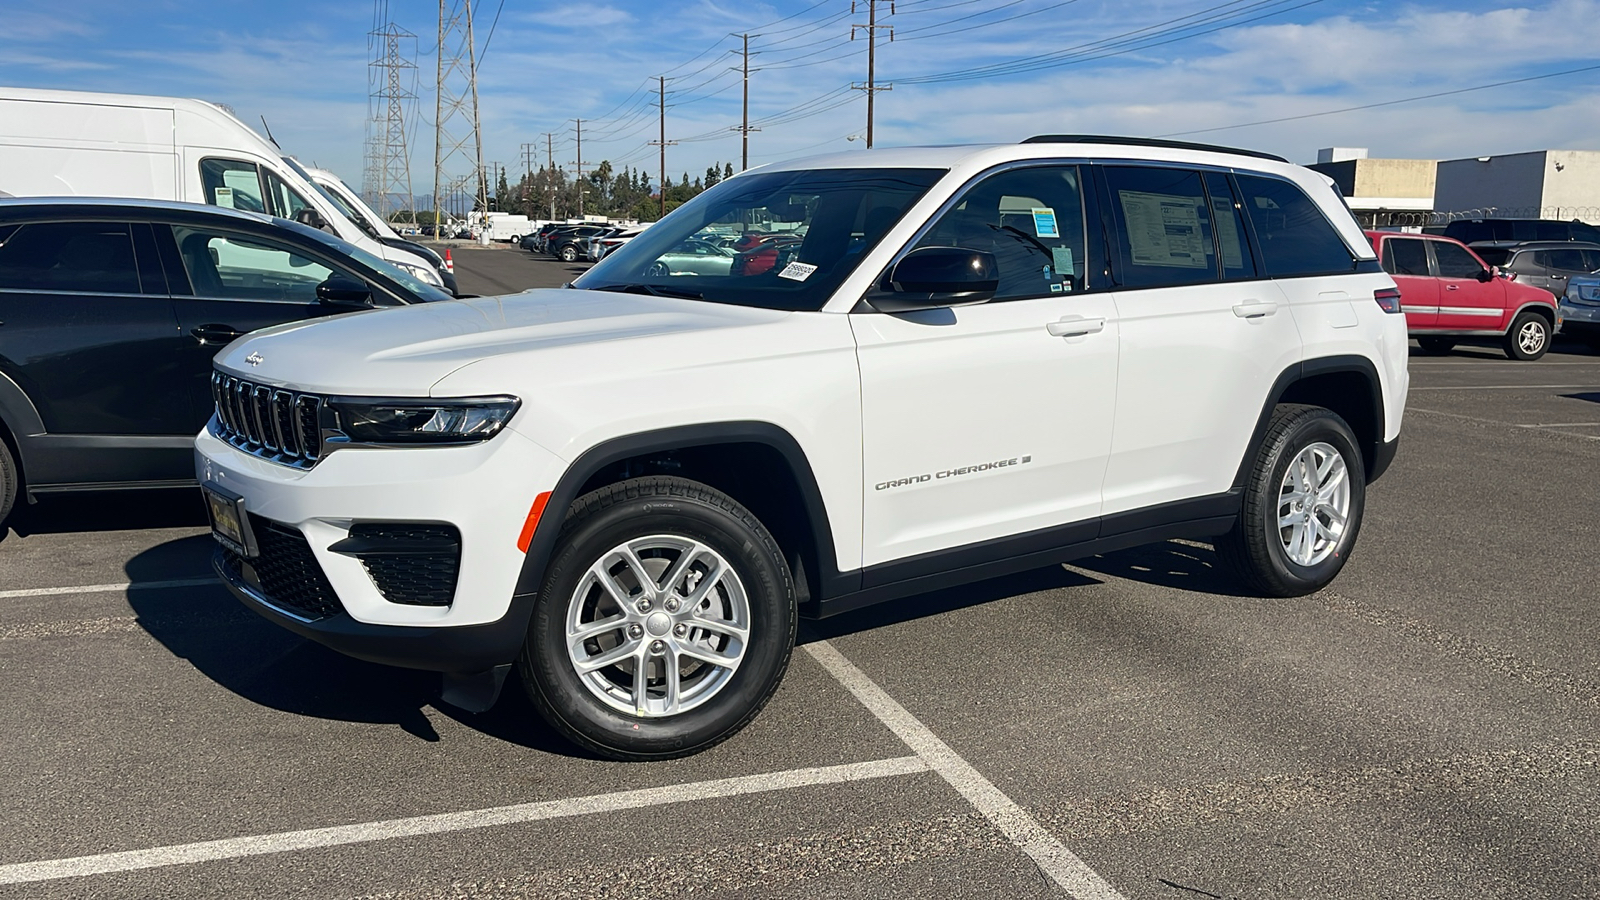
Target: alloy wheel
1313,504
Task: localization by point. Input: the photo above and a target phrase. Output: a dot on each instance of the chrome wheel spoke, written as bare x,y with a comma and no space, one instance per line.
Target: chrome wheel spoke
641,684
629,557
1313,504
598,661
719,658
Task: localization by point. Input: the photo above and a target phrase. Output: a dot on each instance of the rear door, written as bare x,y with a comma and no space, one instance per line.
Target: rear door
89,334
1560,265
1406,260
1468,300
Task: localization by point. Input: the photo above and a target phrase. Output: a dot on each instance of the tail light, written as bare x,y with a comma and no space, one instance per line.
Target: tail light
1388,299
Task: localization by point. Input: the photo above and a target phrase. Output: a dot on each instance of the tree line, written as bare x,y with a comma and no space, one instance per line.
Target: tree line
625,193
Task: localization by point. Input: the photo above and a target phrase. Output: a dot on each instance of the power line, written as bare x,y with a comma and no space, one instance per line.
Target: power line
1334,112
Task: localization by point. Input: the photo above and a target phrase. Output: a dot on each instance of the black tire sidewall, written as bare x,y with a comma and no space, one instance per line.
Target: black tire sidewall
1320,427
9,483
759,566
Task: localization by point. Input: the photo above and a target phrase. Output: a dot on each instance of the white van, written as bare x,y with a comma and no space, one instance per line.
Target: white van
356,210
66,143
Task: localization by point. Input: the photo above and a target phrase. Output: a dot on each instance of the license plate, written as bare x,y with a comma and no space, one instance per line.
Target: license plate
229,525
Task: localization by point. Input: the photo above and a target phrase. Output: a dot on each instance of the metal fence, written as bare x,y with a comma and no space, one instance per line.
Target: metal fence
1394,218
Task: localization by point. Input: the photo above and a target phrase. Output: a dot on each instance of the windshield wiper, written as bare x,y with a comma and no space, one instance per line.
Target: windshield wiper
654,290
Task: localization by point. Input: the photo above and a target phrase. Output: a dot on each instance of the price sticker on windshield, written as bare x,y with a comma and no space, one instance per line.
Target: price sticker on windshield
797,271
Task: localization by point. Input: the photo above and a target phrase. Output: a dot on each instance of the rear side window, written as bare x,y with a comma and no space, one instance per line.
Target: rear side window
1454,261
1164,228
1563,260
1405,256
1295,237
1591,260
1228,214
232,183
1582,231
1494,256
87,257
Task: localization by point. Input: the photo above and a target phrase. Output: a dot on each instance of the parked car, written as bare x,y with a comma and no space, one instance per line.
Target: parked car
567,246
694,256
112,310
1542,264
600,246
1472,231
1449,293
979,360
356,210
1578,314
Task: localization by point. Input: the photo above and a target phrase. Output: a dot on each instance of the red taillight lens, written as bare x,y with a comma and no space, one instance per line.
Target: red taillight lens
1388,299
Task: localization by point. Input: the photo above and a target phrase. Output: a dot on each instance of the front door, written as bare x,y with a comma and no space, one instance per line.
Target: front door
992,420
1469,300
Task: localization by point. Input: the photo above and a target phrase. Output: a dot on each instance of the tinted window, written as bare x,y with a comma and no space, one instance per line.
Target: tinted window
1405,256
1454,261
1163,227
286,202
231,183
1228,214
1526,263
1584,232
1591,260
1295,237
1467,232
91,257
1564,260
1031,220
1494,256
235,266
796,234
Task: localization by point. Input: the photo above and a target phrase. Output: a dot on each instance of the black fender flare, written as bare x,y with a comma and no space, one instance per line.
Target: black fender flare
1377,459
21,418
596,458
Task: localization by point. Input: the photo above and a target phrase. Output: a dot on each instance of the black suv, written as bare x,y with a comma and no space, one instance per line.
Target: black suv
110,312
1472,231
568,246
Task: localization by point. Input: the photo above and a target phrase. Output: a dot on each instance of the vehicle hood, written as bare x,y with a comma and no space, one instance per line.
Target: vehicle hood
404,351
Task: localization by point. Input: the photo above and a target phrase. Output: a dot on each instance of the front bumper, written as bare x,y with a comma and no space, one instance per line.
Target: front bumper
483,490
1578,319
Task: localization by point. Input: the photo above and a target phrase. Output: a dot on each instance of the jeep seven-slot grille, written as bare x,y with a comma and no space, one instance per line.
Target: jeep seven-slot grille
283,426
285,572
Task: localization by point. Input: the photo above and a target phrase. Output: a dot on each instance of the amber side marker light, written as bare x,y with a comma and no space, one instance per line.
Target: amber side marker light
526,537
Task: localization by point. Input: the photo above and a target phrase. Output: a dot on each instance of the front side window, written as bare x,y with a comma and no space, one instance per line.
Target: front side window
1164,229
1405,256
795,236
1296,239
233,184
1455,261
86,257
1031,220
286,202
222,264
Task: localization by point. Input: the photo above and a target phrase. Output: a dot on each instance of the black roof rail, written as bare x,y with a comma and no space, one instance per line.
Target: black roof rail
1145,142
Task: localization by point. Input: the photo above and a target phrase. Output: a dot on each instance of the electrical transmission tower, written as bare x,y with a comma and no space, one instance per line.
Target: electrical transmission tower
456,104
871,28
389,174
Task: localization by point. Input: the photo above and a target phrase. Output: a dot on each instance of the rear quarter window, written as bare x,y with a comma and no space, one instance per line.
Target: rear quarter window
86,257
1295,237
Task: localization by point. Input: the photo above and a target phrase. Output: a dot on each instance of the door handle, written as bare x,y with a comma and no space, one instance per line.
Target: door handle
1075,326
1452,287
215,334
1255,309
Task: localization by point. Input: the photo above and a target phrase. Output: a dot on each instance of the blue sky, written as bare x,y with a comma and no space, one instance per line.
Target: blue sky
963,71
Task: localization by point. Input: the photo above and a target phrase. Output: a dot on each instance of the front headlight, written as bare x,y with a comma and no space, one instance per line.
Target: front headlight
464,420
1590,292
423,272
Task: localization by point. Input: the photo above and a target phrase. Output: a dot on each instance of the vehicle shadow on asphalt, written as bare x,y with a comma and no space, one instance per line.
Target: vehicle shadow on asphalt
275,668
1172,564
107,511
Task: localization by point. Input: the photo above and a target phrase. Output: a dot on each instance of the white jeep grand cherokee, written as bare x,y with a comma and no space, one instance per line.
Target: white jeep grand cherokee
885,373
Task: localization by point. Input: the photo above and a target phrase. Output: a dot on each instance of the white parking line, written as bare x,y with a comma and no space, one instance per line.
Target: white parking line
1053,858
365,832
106,588
1512,387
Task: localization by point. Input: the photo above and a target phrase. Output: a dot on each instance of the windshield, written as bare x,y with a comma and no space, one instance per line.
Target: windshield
340,205
422,289
778,240
1494,256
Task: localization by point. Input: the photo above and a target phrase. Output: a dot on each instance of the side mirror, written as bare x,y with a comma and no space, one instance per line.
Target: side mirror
344,291
1488,275
936,277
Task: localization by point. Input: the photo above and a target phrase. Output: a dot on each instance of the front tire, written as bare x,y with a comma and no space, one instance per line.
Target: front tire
1302,504
569,253
665,621
1528,338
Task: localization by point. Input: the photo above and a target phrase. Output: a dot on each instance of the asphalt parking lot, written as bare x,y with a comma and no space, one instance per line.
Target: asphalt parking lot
1126,726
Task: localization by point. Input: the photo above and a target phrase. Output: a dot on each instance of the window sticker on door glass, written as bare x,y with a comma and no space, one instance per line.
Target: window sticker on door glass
225,197
797,271
1044,222
1061,259
1163,229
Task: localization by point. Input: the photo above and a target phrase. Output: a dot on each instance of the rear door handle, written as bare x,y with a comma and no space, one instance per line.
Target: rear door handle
1254,309
215,334
1075,326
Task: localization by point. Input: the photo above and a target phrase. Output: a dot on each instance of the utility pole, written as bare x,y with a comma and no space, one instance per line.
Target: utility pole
871,28
550,173
663,143
579,164
744,128
529,151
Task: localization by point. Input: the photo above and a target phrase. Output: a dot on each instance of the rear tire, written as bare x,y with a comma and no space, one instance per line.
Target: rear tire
9,483
1528,338
569,253
1436,344
1302,505
665,621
